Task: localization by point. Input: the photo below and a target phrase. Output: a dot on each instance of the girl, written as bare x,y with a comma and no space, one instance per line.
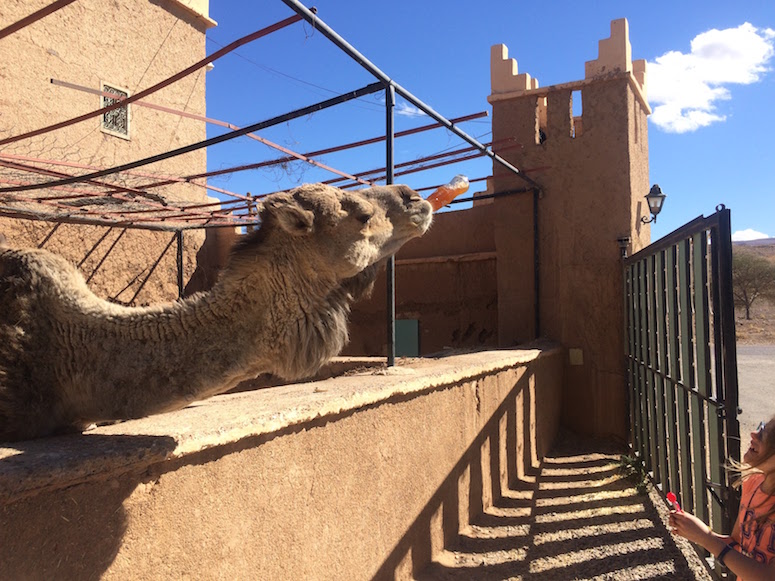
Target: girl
749,552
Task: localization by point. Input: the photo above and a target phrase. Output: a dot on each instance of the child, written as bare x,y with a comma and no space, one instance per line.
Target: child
749,552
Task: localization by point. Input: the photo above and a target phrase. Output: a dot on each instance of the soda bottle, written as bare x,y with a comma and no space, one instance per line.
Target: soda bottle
448,192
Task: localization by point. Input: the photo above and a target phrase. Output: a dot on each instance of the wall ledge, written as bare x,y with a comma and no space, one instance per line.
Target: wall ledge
31,467
468,257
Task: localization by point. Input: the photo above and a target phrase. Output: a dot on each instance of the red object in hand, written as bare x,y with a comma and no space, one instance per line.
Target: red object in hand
674,501
448,192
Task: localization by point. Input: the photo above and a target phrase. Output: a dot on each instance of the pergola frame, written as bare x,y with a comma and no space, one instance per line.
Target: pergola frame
154,214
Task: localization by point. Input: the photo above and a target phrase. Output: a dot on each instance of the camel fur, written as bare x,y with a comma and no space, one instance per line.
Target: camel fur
69,358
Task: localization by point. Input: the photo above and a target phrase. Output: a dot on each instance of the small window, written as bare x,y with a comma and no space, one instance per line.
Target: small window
576,115
115,122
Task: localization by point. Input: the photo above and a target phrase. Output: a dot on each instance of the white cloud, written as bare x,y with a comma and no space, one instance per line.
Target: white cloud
401,107
685,88
748,234
408,110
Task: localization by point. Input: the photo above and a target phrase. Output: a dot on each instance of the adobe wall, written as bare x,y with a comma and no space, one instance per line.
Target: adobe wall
358,477
592,195
132,45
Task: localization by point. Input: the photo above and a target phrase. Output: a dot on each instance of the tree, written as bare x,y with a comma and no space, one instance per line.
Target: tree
753,276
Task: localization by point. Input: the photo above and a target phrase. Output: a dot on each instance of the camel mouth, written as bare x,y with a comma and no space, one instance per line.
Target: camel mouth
422,221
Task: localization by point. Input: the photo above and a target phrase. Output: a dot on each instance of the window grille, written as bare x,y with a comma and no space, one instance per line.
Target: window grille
115,122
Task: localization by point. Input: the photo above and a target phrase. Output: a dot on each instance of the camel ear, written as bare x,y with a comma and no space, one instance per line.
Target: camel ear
289,214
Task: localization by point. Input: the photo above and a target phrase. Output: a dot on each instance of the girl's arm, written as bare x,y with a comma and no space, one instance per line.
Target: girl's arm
689,526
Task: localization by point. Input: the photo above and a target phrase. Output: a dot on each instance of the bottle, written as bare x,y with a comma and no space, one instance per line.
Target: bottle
448,192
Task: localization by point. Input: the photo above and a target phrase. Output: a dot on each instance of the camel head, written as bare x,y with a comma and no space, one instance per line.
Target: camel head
344,232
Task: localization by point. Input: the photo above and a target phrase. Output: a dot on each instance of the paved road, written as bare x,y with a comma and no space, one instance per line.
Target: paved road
756,377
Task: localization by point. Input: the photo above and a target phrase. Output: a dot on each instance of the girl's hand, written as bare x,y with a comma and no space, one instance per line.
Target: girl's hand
689,526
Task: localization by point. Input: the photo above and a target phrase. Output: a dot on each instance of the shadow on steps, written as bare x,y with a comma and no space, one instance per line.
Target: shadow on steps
580,519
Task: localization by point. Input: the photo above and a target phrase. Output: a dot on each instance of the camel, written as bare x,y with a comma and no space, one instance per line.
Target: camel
69,359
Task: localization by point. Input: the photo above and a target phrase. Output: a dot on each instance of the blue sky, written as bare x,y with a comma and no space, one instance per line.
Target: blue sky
711,87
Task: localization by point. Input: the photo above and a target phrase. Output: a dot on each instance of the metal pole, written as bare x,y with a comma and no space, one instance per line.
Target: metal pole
68,219
502,194
179,236
34,17
369,66
536,265
729,354
390,269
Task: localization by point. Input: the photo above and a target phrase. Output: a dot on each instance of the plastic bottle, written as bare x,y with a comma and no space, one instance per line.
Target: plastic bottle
448,192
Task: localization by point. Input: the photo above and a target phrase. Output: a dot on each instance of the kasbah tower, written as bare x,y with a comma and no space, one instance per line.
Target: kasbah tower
591,202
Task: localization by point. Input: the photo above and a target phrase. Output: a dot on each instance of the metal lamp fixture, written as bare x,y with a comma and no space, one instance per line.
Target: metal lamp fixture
655,199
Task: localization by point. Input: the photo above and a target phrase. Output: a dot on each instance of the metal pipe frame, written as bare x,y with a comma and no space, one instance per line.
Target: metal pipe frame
292,154
156,207
86,221
390,268
367,90
327,150
170,179
415,162
348,49
179,262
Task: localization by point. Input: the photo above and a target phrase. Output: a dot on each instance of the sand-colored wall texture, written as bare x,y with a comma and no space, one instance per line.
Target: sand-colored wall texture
359,477
129,45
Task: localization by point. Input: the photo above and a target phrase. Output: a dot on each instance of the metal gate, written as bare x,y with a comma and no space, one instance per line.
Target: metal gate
682,366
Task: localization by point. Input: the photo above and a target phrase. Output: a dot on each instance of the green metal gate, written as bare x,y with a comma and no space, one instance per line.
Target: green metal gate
682,365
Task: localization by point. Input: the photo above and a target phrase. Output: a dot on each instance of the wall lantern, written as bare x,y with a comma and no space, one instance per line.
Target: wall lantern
655,199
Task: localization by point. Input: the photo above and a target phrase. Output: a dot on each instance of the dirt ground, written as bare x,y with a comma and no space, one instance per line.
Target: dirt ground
580,518
755,365
760,330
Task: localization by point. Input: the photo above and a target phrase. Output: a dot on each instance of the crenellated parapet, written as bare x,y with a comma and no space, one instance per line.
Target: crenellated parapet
614,55
614,62
504,73
543,113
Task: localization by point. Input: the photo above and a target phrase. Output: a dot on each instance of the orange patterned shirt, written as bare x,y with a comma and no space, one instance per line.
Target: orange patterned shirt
758,542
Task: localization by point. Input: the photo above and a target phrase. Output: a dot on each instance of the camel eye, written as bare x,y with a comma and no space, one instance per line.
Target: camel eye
364,218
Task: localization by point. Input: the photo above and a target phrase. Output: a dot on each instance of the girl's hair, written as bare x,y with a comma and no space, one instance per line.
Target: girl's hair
746,470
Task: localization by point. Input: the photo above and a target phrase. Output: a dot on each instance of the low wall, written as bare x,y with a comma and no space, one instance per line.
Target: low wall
362,476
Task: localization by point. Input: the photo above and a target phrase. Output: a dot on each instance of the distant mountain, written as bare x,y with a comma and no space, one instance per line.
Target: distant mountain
761,242
764,247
